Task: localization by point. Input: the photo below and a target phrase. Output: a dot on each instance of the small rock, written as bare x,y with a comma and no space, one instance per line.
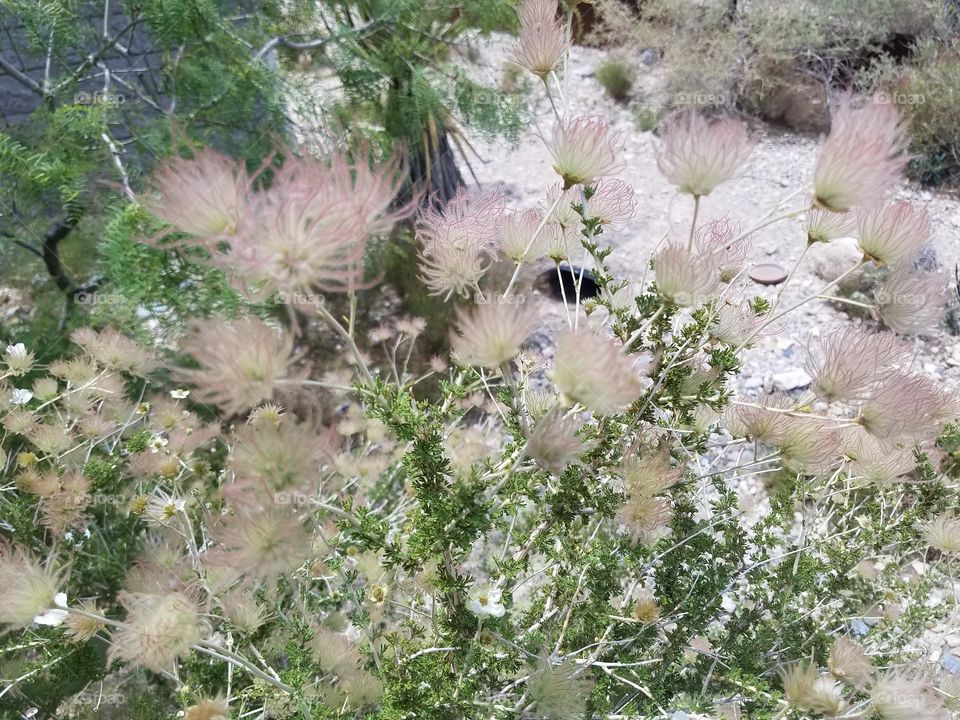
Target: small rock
950,662
794,379
955,219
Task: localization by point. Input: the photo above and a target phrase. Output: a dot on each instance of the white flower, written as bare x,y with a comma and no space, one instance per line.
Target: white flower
53,616
179,394
18,351
20,396
162,507
485,601
157,443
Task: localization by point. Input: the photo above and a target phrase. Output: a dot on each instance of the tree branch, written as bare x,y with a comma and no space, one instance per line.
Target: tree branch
287,42
22,78
94,58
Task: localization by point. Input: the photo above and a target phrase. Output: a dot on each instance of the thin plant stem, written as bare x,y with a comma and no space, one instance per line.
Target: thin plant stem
533,239
793,271
693,222
801,303
348,339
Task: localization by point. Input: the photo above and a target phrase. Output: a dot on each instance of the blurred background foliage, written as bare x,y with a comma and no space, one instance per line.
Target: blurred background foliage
246,78
785,60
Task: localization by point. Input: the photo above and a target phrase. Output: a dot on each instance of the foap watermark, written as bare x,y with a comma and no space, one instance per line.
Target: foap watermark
299,298
92,298
512,299
899,98
913,300
292,498
100,698
688,99
98,98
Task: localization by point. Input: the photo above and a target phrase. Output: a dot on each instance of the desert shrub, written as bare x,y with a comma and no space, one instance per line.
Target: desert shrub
241,530
616,78
775,59
926,89
645,118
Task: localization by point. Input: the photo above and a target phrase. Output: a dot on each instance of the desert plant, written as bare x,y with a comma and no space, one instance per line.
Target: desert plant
775,59
258,536
616,77
926,90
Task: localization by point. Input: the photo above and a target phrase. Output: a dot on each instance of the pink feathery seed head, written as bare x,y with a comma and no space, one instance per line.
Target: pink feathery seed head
584,150
537,12
893,234
734,323
875,461
372,186
612,204
807,689
825,226
561,206
646,518
849,662
465,221
306,239
491,334
281,458
846,363
909,302
649,473
562,243
521,238
902,408
722,238
699,154
685,278
593,370
862,157
114,351
904,694
207,196
263,543
942,533
367,185
208,709
448,269
158,629
808,445
458,242
541,47
310,229
239,362
27,588
759,420
948,688
554,442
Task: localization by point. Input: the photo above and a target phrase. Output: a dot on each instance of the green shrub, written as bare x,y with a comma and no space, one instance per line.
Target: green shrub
645,118
616,77
927,92
778,60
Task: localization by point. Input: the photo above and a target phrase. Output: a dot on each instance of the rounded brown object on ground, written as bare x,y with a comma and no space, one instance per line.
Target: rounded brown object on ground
768,274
